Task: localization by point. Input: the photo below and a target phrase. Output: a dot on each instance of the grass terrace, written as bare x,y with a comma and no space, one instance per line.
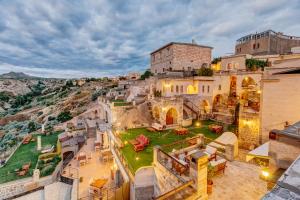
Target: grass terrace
145,157
121,102
24,154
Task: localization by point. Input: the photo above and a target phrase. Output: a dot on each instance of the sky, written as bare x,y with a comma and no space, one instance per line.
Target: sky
96,38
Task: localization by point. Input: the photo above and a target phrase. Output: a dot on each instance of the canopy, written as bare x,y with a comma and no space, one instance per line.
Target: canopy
262,152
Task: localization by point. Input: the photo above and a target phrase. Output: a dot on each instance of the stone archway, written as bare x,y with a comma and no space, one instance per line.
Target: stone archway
156,113
171,116
204,106
217,102
190,89
248,82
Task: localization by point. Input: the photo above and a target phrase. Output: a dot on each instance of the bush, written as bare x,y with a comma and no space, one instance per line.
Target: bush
31,126
146,74
47,170
205,71
64,116
254,64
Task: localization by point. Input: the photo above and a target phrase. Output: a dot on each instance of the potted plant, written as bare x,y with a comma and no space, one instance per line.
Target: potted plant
210,174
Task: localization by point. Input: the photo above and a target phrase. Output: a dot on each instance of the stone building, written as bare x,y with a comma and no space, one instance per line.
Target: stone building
177,56
280,101
267,42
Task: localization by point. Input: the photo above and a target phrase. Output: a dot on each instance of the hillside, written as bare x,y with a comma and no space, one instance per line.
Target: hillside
17,75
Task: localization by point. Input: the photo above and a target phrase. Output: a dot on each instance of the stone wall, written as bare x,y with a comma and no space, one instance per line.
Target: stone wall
280,102
249,136
180,57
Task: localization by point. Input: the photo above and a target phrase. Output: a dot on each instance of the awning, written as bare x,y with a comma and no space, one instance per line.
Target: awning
261,152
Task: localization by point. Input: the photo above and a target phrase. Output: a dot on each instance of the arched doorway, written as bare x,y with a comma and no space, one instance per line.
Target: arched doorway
191,89
156,113
204,105
248,82
217,102
232,92
171,116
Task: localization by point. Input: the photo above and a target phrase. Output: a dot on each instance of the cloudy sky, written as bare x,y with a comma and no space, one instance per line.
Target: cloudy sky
60,38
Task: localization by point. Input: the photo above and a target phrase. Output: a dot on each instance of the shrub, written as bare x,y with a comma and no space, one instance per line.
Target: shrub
254,64
31,126
146,74
64,116
205,71
47,170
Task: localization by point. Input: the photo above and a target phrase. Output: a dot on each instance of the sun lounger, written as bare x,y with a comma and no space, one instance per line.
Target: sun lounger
157,127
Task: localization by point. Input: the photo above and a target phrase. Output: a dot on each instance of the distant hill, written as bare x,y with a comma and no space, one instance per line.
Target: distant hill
17,75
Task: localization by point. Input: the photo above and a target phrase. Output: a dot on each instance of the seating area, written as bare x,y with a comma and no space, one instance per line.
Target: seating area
27,139
216,128
140,143
155,127
23,171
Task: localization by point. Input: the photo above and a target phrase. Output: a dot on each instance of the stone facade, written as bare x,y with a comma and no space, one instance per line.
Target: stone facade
268,42
280,102
180,56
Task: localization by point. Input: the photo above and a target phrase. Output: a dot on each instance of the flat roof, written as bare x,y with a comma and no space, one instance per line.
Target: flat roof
180,43
291,130
288,185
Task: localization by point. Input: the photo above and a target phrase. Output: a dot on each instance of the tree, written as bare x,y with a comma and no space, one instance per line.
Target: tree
254,64
216,60
205,71
64,116
4,97
146,74
31,126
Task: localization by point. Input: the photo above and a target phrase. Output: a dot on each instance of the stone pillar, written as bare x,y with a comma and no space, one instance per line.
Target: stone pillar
39,143
36,175
43,128
198,172
155,152
229,152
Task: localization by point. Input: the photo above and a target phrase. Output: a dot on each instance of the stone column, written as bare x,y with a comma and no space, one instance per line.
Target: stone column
155,152
36,175
39,143
229,152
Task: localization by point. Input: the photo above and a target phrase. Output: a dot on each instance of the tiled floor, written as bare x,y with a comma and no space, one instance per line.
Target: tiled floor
94,169
240,182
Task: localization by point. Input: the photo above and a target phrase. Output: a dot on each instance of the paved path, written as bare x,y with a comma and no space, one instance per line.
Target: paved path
240,182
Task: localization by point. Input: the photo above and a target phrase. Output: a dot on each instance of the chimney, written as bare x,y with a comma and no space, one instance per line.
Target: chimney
194,41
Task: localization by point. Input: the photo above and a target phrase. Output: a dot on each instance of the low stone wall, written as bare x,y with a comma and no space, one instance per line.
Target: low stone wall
14,188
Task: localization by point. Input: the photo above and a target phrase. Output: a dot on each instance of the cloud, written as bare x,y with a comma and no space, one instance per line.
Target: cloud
102,37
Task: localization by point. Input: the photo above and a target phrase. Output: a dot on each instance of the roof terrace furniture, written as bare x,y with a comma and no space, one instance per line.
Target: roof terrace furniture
219,165
211,152
181,131
157,126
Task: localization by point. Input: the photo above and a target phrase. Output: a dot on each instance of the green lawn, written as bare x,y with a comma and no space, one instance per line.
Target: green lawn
145,157
24,154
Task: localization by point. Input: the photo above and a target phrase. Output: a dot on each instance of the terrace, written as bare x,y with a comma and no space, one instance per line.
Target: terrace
26,153
135,160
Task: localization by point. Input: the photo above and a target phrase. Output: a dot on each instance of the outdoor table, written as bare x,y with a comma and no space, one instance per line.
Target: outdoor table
181,131
98,183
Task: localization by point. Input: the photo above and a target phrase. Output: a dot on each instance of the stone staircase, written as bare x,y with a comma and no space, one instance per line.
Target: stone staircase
192,107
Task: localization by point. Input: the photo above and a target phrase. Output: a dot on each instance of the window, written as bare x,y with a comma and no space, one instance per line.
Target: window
172,88
258,45
254,45
203,88
220,87
177,89
156,71
181,89
208,89
163,69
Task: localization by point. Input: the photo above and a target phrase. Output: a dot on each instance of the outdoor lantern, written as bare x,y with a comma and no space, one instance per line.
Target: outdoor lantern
198,124
265,174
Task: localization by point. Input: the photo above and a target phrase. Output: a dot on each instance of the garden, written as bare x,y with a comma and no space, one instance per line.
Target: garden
28,154
139,159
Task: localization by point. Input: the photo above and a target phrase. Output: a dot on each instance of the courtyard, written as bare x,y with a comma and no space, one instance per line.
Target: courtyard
26,153
240,181
142,158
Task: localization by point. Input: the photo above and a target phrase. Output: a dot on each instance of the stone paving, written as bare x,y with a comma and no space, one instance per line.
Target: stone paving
240,182
94,169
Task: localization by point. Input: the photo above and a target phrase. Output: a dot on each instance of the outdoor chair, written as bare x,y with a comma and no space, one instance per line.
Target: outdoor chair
219,165
211,152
